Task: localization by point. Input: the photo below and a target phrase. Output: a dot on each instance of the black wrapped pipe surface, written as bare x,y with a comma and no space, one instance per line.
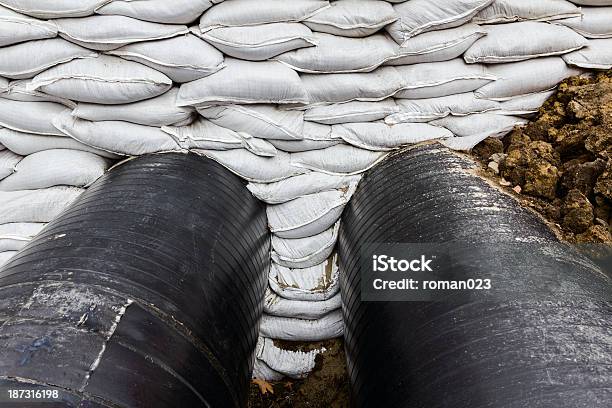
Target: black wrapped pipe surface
526,353
147,292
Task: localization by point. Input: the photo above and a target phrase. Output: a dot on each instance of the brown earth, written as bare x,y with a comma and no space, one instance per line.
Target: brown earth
561,163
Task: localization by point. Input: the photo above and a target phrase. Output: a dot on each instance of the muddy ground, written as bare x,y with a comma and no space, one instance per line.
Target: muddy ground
560,165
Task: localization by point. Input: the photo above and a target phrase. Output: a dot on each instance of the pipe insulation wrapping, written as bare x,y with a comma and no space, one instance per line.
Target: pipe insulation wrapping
146,292
541,351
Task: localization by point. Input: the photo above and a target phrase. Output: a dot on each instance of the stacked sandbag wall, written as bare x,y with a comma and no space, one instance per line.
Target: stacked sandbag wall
297,97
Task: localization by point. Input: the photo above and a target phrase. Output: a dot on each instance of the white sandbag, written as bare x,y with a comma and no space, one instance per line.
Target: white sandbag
6,256
159,111
245,82
595,22
27,59
426,110
377,85
308,215
298,186
258,42
352,18
16,28
506,11
47,9
419,16
57,167
515,42
293,364
42,205
262,371
183,59
14,236
335,54
351,112
438,79
435,46
275,305
121,138
254,168
340,160
204,134
8,161
597,55
25,144
110,32
304,252
524,105
285,328
262,121
104,80
30,117
378,136
18,91
158,11
525,77
473,129
238,13
316,283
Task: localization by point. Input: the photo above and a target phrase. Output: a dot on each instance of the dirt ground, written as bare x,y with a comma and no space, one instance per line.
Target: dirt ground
560,165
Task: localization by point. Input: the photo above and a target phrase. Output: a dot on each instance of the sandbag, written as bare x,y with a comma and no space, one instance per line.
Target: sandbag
279,363
30,117
259,120
304,252
16,28
438,79
25,144
47,9
285,328
238,13
524,105
308,215
8,161
595,22
245,82
158,111
254,168
57,167
105,33
515,42
597,55
299,186
377,85
435,46
382,137
525,77
117,137
316,283
505,11
27,59
258,42
419,16
426,110
14,236
341,159
351,112
104,80
335,54
183,59
18,91
158,11
352,18
41,205
298,309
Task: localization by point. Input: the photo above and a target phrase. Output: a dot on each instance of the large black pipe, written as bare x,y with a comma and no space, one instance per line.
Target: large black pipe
147,292
541,350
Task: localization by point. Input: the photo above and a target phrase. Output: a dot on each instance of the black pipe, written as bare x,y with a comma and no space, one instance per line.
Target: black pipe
146,292
534,351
